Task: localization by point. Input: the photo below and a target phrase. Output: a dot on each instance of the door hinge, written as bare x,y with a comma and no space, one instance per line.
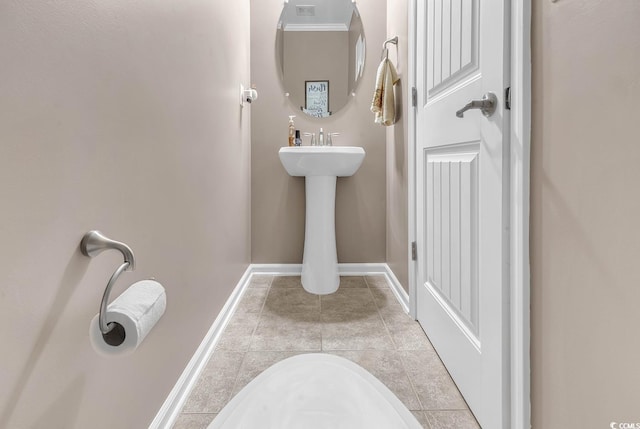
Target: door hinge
414,97
507,98
414,251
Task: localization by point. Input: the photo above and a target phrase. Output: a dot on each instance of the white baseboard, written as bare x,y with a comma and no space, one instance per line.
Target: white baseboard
277,269
362,269
401,294
296,269
170,410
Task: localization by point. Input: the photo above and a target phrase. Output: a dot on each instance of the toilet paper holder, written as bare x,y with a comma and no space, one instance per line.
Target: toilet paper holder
93,243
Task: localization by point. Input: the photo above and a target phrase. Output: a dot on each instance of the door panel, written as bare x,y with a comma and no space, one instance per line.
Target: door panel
462,198
452,43
451,184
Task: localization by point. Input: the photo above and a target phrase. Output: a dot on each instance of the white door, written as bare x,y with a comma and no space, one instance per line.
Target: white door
462,190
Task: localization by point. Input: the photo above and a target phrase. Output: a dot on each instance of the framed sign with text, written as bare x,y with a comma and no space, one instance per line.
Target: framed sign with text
316,96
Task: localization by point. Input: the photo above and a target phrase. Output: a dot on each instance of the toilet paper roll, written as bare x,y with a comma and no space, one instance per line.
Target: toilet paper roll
138,309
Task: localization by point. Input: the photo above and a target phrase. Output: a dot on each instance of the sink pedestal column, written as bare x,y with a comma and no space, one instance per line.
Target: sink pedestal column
320,259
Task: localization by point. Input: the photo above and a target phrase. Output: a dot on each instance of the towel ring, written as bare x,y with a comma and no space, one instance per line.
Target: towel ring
385,50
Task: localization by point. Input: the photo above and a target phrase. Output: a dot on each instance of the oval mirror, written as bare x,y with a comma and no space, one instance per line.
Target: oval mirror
320,51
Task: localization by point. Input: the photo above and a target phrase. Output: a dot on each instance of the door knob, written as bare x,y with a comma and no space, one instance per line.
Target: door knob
487,105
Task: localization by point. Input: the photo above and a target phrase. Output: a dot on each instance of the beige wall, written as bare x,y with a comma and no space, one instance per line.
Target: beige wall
122,116
585,239
397,145
277,200
316,55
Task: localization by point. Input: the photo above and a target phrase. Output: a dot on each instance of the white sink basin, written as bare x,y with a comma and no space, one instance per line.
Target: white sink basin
336,161
321,165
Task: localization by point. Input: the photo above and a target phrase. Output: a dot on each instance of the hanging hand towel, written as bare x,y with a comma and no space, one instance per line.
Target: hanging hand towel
384,104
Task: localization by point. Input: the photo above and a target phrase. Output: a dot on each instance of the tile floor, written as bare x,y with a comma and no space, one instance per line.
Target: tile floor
362,321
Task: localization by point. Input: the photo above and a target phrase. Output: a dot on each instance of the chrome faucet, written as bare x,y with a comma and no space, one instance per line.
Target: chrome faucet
330,138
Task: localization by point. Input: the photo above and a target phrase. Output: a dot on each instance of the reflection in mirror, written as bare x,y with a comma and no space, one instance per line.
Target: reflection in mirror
320,51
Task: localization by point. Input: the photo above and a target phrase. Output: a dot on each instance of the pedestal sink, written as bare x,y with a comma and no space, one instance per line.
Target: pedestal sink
321,165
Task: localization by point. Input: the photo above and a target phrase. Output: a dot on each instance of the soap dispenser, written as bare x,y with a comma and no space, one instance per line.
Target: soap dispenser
292,131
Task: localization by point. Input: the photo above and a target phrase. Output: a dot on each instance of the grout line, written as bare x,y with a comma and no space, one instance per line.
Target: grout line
413,387
387,352
244,353
404,367
321,326
445,409
384,323
255,328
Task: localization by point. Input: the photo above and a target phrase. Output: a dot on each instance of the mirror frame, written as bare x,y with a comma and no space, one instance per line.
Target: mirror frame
355,67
